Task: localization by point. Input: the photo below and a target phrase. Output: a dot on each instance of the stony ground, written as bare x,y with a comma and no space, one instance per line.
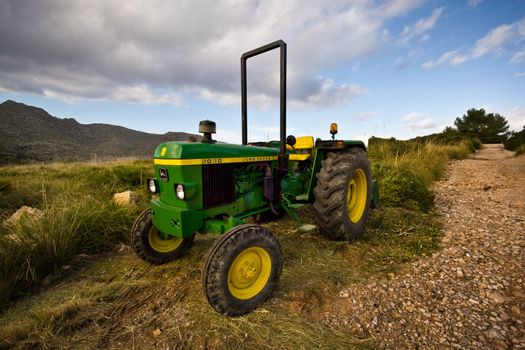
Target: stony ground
470,294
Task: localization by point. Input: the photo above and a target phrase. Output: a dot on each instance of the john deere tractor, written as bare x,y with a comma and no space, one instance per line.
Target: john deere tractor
215,187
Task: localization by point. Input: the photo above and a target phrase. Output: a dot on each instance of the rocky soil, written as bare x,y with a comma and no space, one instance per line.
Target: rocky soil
470,294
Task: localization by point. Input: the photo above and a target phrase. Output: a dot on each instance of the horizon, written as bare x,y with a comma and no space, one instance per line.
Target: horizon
398,69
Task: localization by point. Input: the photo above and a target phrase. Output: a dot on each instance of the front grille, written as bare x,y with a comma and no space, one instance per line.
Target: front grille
218,184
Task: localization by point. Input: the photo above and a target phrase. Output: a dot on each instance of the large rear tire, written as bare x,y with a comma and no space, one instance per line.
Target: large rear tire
242,270
343,194
153,246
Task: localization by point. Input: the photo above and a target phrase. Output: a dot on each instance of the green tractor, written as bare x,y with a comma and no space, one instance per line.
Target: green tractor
216,188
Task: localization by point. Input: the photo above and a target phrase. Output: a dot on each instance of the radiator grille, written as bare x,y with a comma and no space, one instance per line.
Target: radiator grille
218,182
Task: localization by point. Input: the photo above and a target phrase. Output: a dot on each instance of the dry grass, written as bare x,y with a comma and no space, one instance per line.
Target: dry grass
114,300
79,216
119,301
407,169
427,159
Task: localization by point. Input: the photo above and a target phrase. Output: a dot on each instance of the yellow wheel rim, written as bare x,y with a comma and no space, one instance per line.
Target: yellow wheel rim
249,273
356,196
161,245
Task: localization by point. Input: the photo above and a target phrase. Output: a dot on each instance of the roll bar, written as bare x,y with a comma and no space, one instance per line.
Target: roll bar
244,91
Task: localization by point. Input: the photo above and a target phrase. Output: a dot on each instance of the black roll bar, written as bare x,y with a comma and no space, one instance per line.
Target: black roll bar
244,104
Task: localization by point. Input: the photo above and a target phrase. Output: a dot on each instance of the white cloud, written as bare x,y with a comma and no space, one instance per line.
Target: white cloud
520,75
444,58
421,26
221,98
518,57
424,37
496,41
415,121
255,133
364,116
521,28
474,3
360,137
143,94
69,99
427,123
158,51
331,94
229,136
411,116
516,118
458,59
394,8
133,93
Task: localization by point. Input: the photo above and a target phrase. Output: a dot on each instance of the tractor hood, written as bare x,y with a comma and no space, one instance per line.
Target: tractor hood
198,153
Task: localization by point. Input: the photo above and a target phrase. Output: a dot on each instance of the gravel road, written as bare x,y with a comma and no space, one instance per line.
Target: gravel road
470,294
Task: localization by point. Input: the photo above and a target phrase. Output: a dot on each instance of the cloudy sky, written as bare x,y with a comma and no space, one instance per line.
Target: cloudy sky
397,68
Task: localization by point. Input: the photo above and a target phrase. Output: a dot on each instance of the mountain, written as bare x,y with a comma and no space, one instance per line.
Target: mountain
29,133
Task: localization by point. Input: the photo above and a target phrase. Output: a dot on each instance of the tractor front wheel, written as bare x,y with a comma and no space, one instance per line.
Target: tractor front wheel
343,194
153,246
242,269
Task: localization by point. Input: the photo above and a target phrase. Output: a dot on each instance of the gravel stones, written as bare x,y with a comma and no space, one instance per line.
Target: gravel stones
469,295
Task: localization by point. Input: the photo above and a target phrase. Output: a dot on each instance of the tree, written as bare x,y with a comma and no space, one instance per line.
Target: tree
515,140
488,128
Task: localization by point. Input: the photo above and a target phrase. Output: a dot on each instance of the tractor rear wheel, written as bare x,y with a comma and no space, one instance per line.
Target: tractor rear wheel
153,246
343,194
242,269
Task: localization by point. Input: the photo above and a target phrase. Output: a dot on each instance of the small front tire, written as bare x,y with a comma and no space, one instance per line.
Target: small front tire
154,247
242,270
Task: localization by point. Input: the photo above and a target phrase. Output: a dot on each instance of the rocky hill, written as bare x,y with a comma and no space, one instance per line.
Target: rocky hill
29,133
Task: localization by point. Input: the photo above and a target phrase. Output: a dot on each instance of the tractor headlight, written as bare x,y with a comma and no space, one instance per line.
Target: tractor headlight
179,190
152,186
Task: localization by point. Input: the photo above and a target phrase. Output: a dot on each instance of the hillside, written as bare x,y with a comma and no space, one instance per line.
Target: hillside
31,134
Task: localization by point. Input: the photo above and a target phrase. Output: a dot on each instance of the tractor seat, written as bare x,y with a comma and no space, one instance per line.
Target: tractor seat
303,146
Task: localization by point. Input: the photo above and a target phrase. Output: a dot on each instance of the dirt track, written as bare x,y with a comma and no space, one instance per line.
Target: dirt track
471,294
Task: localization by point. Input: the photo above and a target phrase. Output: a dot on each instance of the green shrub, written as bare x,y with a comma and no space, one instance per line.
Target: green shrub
515,140
475,144
399,187
520,150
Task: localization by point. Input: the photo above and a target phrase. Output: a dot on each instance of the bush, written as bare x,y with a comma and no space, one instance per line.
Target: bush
515,140
401,188
475,144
